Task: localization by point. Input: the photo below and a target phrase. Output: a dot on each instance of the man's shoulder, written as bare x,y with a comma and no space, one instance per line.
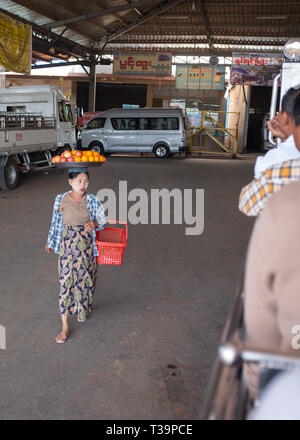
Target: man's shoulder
290,163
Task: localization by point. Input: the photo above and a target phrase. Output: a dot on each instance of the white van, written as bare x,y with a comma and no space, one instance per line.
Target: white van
162,131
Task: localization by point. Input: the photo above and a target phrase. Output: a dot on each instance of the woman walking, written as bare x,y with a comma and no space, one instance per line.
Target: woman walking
77,214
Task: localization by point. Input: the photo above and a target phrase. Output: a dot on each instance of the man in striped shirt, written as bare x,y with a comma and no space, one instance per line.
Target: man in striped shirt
254,195
282,127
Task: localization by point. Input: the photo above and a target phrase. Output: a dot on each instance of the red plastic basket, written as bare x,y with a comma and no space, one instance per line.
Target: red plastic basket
111,243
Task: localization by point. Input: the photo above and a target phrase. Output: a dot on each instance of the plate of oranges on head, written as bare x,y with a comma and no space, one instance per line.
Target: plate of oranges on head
78,159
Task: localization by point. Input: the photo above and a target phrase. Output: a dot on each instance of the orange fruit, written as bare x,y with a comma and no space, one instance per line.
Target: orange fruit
97,159
84,158
73,152
55,159
91,158
89,153
77,159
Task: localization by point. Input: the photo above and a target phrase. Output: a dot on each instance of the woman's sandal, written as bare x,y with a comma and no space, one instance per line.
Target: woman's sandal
60,340
81,320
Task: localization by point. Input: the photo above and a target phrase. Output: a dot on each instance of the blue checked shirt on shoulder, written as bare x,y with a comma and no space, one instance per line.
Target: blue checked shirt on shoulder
96,213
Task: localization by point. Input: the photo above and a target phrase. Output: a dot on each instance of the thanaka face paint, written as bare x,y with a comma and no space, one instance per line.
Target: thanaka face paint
80,183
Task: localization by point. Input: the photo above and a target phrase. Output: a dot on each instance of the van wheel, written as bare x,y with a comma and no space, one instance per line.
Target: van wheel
96,146
161,151
9,175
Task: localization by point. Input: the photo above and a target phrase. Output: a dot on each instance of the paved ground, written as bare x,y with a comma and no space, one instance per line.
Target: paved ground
148,348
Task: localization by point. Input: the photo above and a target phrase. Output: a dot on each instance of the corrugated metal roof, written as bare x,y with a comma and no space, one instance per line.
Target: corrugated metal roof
187,26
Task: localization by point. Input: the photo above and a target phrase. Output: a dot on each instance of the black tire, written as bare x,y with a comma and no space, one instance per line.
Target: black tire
9,175
161,151
97,146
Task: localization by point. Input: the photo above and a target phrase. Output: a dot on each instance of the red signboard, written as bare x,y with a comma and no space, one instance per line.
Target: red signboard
86,117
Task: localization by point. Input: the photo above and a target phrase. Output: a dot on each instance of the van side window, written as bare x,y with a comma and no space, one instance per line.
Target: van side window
144,123
164,124
124,123
96,123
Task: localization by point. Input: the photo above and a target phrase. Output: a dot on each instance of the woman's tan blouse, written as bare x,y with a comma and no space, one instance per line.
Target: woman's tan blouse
74,213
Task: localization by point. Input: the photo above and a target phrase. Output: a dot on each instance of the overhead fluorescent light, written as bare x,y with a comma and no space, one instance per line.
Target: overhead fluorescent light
174,17
272,17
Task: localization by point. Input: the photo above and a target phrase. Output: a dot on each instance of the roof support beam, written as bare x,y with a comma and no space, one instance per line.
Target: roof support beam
205,24
67,63
232,27
101,12
92,85
188,15
163,6
267,3
46,37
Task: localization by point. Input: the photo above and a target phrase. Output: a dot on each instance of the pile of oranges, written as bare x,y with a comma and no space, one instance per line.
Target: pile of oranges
79,156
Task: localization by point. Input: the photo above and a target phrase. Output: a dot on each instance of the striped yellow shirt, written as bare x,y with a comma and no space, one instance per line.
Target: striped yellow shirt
254,195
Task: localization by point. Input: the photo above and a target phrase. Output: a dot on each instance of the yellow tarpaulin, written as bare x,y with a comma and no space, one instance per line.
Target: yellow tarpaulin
15,45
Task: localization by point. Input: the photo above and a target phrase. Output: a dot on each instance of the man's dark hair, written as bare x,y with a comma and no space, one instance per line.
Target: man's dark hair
297,111
73,175
288,101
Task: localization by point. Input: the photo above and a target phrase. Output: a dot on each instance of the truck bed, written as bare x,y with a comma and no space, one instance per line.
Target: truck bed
26,133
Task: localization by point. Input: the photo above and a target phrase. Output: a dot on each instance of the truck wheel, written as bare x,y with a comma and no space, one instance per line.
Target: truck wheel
97,146
9,175
161,151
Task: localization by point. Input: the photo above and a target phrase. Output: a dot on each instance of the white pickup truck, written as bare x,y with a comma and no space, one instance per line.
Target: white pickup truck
36,123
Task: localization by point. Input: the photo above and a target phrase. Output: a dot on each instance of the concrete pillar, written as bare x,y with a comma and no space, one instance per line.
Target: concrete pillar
2,81
237,103
92,87
149,98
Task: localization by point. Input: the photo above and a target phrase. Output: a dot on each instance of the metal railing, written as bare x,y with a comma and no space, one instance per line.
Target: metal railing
25,121
213,135
227,395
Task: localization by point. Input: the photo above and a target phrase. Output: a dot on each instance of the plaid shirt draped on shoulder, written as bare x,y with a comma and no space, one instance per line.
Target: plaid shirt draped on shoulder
254,195
96,212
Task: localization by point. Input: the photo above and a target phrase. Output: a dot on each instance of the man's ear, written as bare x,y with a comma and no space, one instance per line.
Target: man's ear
285,119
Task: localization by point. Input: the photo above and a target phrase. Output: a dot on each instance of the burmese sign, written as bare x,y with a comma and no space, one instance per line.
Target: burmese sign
200,76
152,64
255,69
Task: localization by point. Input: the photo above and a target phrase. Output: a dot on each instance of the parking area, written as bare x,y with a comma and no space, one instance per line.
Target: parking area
147,350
